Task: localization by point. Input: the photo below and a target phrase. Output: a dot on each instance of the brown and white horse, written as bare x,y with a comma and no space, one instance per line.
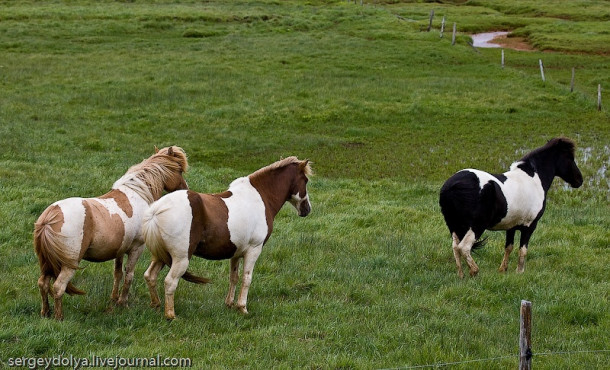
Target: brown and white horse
234,224
103,228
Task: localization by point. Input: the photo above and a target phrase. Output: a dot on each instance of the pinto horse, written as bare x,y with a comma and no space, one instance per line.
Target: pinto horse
103,228
231,225
472,200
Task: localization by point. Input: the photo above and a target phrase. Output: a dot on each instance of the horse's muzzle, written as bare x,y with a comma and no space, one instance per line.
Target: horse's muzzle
304,208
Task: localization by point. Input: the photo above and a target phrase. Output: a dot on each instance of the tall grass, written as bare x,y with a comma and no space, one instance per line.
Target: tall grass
385,112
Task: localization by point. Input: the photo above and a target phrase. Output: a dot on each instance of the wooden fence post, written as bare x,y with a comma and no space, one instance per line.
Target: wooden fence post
442,27
502,58
431,17
525,336
572,81
453,37
542,70
599,97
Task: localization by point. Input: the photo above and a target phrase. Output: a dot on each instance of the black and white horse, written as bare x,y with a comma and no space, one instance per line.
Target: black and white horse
472,200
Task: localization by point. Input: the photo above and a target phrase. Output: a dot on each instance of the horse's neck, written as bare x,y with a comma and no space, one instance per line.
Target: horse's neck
544,168
273,193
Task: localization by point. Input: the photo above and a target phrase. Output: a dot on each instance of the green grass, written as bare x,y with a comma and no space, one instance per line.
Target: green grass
386,113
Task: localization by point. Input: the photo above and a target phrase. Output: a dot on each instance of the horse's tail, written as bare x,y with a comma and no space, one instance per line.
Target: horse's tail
153,234
50,249
153,231
479,243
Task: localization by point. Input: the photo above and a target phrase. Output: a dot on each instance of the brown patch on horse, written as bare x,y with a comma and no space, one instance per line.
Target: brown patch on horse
103,229
210,236
47,244
121,200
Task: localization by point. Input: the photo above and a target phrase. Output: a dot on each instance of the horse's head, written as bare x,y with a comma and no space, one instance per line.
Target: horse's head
298,196
176,164
565,166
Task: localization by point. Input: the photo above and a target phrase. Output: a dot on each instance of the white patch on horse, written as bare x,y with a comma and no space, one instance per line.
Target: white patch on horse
247,220
524,196
73,231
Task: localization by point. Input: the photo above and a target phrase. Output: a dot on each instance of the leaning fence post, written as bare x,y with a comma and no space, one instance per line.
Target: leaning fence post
599,97
453,37
525,336
542,70
431,17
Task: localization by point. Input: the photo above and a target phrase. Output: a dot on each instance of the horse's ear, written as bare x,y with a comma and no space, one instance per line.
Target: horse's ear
156,150
304,166
170,151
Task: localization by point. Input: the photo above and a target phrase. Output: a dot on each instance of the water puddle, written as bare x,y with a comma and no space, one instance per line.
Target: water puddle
484,40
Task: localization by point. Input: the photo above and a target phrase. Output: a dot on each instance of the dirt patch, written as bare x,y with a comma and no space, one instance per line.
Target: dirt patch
515,43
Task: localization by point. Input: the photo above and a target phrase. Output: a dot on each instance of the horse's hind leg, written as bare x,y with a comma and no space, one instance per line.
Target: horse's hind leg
457,253
171,282
465,246
118,275
44,285
233,279
508,248
132,258
59,287
151,280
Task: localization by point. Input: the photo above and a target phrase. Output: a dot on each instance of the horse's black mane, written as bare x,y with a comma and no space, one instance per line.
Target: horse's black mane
560,143
542,160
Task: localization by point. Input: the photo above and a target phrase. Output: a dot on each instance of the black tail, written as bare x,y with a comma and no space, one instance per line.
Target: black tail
479,243
195,279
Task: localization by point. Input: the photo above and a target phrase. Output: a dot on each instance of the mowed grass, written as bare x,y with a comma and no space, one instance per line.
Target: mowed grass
385,111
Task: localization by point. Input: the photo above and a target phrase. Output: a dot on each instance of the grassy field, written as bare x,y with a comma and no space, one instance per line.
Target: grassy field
386,112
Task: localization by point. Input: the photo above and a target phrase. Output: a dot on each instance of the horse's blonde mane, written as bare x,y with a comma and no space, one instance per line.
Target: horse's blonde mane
283,163
147,178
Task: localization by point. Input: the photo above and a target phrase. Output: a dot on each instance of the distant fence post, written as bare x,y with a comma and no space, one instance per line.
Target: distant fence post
431,17
502,58
541,70
442,27
599,97
453,37
525,336
572,80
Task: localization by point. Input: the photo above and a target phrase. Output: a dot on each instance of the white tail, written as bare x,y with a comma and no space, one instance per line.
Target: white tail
152,231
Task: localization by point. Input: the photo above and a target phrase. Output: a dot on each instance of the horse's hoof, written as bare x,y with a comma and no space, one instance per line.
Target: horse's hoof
45,313
155,304
243,310
170,317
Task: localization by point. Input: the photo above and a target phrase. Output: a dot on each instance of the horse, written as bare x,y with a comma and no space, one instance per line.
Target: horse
473,201
103,228
234,225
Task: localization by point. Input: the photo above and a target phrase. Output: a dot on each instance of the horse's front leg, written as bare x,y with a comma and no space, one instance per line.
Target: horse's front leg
508,248
132,258
526,234
249,260
118,275
233,279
